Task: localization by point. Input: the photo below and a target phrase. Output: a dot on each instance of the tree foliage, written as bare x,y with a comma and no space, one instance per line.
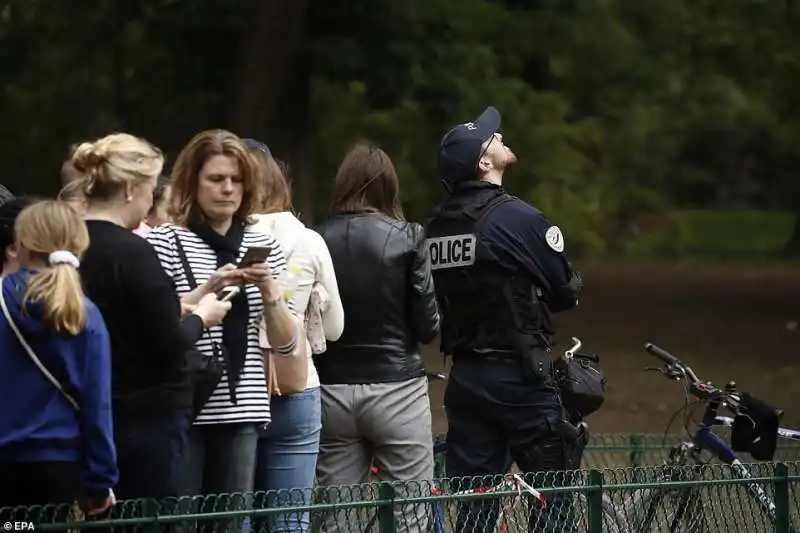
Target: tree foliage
615,108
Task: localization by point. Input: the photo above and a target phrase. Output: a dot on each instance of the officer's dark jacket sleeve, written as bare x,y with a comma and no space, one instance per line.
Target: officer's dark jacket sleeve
514,234
423,309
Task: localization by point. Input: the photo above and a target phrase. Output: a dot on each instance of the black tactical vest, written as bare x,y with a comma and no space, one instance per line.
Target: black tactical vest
485,307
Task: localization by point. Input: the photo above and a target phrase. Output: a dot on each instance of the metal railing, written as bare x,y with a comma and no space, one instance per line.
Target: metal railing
609,450
629,499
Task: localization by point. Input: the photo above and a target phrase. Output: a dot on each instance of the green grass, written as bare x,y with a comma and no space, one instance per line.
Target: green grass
714,234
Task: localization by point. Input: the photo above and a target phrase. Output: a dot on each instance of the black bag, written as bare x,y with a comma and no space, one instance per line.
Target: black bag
582,383
205,372
755,428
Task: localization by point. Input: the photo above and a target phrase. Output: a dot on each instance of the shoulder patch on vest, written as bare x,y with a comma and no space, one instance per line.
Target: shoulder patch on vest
451,251
554,238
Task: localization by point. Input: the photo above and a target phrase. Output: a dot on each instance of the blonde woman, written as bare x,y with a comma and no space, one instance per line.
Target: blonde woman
153,394
215,190
54,442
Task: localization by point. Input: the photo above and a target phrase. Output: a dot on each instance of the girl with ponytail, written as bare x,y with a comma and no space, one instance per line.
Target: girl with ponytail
56,436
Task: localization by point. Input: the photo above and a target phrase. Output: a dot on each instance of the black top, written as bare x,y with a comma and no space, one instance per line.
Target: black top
123,276
385,282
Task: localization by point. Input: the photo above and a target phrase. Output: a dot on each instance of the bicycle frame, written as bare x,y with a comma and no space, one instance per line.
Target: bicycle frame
705,439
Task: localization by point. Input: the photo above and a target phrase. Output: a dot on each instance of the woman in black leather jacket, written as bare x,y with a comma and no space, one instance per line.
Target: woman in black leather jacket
375,404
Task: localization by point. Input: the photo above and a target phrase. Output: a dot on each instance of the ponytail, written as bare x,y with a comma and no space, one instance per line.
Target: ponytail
52,231
59,289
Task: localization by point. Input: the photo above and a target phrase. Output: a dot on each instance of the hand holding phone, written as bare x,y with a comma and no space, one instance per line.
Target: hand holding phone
254,255
211,310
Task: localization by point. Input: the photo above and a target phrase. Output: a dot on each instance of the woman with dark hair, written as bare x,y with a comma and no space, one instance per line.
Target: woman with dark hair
9,211
375,406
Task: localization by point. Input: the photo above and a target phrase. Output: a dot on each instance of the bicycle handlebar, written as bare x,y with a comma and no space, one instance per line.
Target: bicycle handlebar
677,369
661,353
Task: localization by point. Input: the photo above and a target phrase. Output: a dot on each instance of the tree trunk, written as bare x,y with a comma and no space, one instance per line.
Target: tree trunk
265,63
270,99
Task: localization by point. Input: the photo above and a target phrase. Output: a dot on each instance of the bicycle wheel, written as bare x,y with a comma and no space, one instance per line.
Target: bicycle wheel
613,521
666,509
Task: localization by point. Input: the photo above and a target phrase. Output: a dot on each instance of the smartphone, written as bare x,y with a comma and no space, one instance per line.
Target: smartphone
256,254
228,293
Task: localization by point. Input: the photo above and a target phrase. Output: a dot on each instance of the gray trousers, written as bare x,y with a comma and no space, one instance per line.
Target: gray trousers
385,424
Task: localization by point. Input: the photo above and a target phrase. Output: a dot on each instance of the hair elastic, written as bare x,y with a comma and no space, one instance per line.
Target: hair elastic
63,257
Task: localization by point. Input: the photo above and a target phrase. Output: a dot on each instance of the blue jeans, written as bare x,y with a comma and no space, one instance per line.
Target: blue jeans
287,458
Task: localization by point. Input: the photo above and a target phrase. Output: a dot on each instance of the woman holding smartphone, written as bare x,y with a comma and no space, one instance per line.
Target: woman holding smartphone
214,192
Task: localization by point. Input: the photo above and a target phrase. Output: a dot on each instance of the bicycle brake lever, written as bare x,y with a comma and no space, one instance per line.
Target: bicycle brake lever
653,369
674,373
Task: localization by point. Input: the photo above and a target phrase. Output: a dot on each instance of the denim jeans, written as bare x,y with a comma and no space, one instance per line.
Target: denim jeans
221,460
287,459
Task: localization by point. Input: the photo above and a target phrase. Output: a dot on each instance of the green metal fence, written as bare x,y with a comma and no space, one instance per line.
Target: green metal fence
609,450
705,498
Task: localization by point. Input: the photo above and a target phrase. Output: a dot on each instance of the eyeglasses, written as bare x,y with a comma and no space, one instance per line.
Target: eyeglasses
488,144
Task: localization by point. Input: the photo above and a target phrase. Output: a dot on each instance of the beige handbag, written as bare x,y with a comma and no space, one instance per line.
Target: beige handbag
285,375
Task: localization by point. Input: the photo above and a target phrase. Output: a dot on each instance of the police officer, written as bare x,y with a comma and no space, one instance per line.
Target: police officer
500,270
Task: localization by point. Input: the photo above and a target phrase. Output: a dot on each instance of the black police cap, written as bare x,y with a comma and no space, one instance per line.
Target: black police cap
461,147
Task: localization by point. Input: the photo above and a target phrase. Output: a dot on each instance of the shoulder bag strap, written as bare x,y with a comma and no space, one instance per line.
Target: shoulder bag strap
187,268
31,354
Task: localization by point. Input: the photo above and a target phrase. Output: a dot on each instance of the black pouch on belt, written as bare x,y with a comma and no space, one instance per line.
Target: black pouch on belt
534,362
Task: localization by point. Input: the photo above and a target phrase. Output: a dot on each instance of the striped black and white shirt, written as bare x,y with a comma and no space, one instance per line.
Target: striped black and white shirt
251,392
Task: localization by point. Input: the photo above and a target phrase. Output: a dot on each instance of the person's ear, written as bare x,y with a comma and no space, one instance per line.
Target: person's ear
10,259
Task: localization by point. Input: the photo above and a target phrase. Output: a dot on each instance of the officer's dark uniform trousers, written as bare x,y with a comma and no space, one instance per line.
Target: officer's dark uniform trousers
499,408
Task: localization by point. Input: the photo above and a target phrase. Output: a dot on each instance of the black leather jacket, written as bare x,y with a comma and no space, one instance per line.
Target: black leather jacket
384,277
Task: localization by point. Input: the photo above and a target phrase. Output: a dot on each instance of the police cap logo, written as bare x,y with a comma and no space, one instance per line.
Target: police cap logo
554,238
451,251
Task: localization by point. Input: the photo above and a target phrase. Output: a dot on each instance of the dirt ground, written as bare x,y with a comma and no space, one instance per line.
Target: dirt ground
728,321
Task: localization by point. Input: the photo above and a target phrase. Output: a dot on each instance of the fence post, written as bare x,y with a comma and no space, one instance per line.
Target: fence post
151,508
386,510
636,450
637,453
781,485
595,501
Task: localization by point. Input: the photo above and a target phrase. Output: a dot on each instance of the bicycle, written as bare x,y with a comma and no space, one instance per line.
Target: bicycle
684,507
